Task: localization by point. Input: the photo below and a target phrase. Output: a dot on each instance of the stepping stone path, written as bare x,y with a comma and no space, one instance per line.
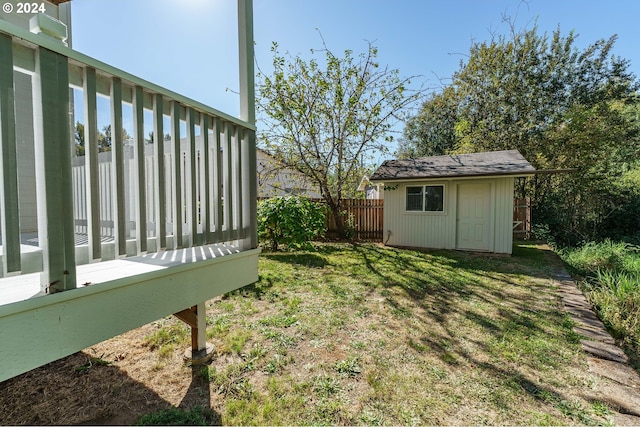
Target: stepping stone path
619,384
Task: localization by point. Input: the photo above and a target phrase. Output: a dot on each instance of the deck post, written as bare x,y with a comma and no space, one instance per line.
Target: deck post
54,191
248,113
9,210
200,352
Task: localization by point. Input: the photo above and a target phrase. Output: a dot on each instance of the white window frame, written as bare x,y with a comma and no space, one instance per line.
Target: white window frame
423,195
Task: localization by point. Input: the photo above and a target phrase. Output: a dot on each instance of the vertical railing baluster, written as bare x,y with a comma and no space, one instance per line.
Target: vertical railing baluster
238,179
160,187
192,198
54,192
92,189
228,181
117,153
141,197
205,195
176,157
250,198
245,179
218,192
9,208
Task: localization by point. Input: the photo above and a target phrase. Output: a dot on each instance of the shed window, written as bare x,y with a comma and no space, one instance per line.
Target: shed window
427,198
414,198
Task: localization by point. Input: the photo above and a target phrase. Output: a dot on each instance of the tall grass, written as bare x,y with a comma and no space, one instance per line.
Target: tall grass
610,277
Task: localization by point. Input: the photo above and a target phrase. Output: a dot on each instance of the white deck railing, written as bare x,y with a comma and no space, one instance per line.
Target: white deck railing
196,188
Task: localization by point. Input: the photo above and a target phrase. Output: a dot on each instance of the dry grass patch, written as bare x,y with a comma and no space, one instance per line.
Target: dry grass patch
346,335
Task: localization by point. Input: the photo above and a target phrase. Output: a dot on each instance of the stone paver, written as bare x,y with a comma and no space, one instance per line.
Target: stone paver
620,385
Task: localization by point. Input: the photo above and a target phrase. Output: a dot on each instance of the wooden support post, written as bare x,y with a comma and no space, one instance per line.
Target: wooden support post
248,114
54,191
200,352
10,225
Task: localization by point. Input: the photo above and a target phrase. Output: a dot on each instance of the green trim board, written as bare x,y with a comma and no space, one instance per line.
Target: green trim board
40,330
9,212
91,163
40,40
53,170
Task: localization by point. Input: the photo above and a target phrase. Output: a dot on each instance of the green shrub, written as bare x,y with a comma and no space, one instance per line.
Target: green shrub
612,285
594,257
290,221
195,416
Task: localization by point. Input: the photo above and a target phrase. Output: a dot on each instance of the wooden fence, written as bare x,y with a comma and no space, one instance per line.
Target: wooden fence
363,216
366,218
522,219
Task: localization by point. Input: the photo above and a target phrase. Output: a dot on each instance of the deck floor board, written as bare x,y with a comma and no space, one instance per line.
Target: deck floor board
26,286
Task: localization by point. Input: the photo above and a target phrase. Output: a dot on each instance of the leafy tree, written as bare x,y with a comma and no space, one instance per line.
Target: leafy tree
78,135
290,221
559,106
151,138
431,132
326,121
104,138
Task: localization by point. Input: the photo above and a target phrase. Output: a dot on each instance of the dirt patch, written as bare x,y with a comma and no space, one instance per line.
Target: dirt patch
111,383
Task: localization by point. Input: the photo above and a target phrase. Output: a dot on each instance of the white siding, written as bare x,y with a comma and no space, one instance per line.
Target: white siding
503,215
438,229
420,229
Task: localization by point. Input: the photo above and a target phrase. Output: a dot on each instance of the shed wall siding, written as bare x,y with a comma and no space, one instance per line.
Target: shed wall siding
503,215
438,230
421,229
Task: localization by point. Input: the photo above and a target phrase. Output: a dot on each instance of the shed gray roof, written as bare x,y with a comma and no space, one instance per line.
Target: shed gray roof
492,163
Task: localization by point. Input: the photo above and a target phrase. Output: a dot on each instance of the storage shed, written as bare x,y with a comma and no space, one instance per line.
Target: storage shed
462,201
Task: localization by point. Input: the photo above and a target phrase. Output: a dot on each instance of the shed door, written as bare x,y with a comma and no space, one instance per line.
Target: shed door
474,213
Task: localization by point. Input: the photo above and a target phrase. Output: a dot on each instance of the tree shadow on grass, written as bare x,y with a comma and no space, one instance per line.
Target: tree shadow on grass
82,389
306,259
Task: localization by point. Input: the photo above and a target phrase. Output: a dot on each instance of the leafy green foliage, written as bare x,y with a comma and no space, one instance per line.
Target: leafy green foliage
326,118
196,416
167,338
290,221
611,281
562,108
104,138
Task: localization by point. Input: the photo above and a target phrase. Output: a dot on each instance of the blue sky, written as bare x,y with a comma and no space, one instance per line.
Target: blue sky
190,46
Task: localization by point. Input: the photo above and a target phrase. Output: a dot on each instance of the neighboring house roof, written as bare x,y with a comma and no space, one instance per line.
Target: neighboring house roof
491,163
275,179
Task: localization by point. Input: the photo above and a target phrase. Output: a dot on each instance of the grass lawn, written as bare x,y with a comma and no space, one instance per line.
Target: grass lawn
371,335
609,275
368,335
